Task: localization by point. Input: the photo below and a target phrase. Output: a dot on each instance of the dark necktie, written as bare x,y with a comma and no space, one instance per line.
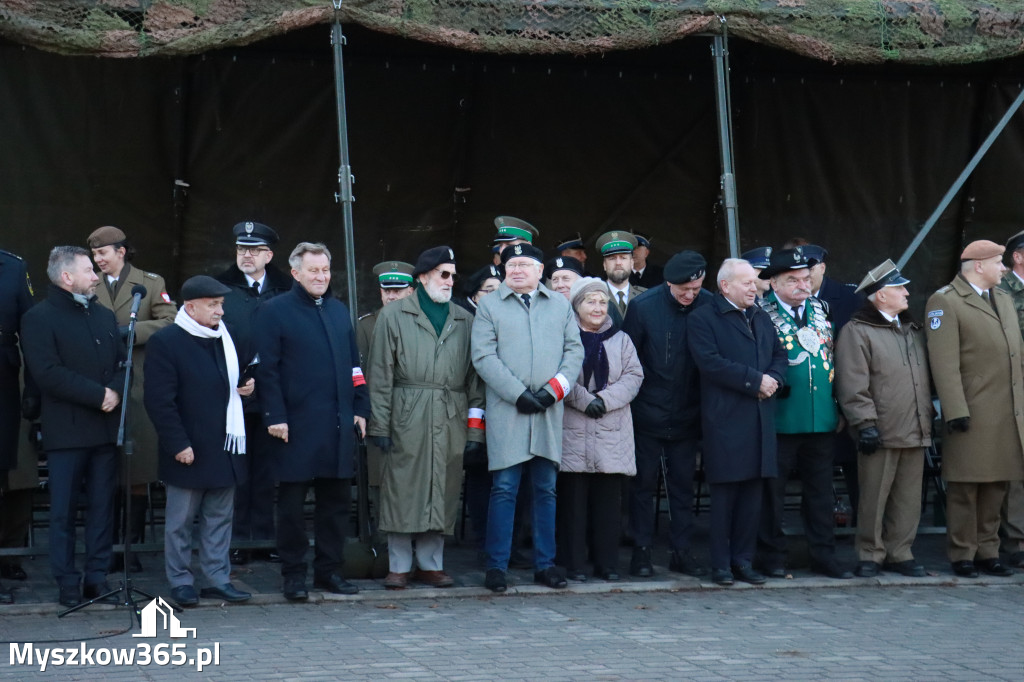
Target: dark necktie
798,315
988,299
622,302
526,300
256,288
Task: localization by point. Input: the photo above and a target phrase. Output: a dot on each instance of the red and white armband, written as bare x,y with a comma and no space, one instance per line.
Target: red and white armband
560,385
476,418
357,377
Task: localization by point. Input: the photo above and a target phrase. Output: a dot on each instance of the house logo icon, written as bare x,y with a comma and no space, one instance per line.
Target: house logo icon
169,622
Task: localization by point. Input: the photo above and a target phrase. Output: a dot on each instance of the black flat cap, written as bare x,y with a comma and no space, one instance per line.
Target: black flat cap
563,263
784,260
203,286
251,233
524,250
431,258
685,266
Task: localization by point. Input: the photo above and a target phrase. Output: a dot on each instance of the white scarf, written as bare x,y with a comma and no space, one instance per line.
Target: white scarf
235,439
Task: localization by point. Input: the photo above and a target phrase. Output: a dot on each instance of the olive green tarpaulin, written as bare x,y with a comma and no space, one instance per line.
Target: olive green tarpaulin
842,31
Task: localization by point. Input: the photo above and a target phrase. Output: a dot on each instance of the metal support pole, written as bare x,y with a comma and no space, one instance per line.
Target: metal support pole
940,209
720,54
345,178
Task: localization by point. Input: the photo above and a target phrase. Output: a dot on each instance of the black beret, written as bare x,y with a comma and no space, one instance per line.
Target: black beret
203,286
431,258
563,263
254,234
524,250
472,284
685,266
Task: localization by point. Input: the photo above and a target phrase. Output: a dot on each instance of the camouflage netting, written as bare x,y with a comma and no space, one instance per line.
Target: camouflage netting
864,31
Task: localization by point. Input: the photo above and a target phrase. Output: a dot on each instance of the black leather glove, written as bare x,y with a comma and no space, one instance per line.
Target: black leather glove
527,403
474,456
596,408
123,331
383,442
30,407
870,440
543,397
960,424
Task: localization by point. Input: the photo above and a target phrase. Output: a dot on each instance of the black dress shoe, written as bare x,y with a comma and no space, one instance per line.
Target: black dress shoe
335,584
96,590
227,592
748,575
608,574
867,569
70,595
774,571
909,568
184,595
683,562
640,564
994,567
495,581
295,589
721,576
6,595
831,568
577,576
240,557
12,572
965,569
552,576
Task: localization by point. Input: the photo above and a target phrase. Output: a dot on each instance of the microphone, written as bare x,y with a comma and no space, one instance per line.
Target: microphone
138,291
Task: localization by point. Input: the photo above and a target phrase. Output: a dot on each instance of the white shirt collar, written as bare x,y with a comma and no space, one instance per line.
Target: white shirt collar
249,280
980,291
616,288
890,318
1017,276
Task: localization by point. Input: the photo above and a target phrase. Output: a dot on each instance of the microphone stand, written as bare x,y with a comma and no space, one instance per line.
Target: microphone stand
125,589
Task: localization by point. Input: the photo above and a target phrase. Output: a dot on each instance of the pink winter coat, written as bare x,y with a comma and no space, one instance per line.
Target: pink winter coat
605,445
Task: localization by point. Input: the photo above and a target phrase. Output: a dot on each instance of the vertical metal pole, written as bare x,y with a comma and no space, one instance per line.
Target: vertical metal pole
959,182
345,177
720,54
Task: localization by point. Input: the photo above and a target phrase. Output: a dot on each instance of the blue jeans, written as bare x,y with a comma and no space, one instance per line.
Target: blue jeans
502,509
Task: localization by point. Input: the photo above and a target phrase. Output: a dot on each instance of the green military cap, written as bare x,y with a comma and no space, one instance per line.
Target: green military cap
393,274
510,229
616,241
884,275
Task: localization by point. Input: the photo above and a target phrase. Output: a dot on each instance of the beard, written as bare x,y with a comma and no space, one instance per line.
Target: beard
618,276
436,293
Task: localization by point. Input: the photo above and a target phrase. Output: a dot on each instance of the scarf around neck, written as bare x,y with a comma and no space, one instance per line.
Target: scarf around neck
234,441
595,358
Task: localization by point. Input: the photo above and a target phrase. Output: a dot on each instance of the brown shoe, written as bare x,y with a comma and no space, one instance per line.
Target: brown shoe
434,578
396,581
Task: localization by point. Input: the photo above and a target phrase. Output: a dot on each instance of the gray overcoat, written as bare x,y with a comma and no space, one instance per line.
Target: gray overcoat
514,349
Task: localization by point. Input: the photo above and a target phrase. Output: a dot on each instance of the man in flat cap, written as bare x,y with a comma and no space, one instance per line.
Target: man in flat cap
884,389
572,247
512,231
312,395
759,257
645,273
742,365
252,281
666,412
974,347
1012,527
525,344
74,352
616,249
194,397
562,272
427,407
807,417
112,254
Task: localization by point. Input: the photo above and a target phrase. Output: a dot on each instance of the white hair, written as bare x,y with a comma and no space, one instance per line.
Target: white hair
315,248
728,269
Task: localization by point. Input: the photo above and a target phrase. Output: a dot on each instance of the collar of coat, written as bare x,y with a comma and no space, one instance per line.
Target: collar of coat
868,314
305,297
62,298
504,290
275,278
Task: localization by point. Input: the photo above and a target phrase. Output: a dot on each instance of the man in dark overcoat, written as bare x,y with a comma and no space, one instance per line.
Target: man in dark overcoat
742,364
312,394
194,397
15,299
73,352
252,281
666,412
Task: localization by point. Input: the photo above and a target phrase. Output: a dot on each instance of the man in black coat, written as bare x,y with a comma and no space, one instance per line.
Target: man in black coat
666,412
742,364
73,352
252,281
194,398
15,299
312,393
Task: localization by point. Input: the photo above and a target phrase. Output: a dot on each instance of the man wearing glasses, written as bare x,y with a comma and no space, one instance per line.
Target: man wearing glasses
253,280
427,407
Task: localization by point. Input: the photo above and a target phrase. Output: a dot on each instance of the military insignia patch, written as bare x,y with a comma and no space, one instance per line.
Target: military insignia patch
518,249
934,313
165,297
558,262
28,281
935,323
451,254
248,228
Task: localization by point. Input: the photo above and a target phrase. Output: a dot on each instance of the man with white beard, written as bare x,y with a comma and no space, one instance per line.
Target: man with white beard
427,407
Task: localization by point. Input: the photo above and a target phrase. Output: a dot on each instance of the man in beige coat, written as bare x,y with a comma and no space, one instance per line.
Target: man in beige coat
884,390
974,348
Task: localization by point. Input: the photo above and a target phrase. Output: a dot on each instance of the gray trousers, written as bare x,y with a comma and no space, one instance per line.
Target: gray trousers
890,503
429,551
215,508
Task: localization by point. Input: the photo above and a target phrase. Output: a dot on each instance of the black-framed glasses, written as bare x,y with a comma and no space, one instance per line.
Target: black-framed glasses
445,274
251,250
